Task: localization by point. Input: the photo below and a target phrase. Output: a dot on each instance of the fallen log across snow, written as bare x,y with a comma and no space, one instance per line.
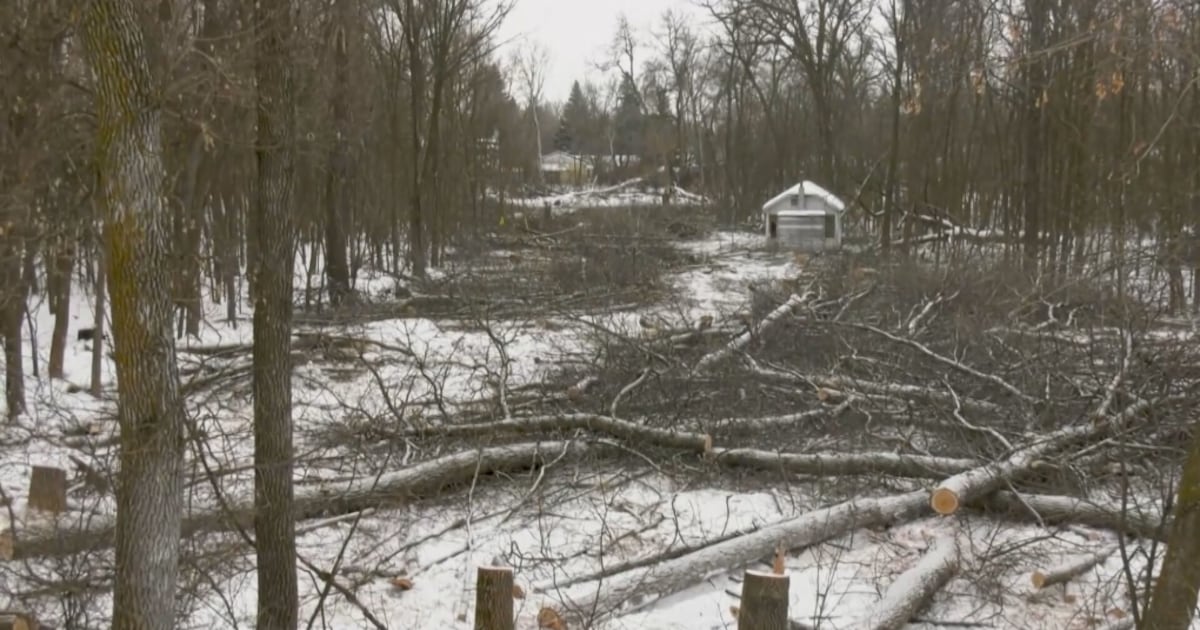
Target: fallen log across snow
540,425
416,481
1049,509
737,343
883,463
979,482
677,574
1066,572
912,590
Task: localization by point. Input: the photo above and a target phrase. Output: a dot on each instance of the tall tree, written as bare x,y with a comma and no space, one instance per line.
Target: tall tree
149,407
337,200
274,524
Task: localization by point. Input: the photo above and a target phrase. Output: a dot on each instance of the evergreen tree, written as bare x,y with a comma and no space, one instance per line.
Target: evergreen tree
573,122
630,120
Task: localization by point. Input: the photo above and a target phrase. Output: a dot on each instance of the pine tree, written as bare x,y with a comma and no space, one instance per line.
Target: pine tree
630,120
573,122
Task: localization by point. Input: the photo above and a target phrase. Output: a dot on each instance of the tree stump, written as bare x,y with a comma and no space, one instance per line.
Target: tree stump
17,621
764,603
48,489
494,599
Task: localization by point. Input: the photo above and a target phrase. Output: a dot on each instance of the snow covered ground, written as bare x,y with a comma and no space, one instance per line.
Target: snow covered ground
575,520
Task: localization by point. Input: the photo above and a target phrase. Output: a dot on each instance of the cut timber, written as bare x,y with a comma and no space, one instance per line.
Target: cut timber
886,463
737,343
764,604
540,425
48,489
1050,509
412,482
674,575
494,599
913,589
6,545
1067,572
17,621
979,482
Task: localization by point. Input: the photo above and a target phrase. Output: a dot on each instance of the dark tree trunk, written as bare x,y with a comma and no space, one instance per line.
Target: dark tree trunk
274,527
1034,103
1173,603
337,271
150,411
12,306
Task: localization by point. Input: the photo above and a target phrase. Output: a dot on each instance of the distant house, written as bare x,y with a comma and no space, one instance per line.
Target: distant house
805,217
560,167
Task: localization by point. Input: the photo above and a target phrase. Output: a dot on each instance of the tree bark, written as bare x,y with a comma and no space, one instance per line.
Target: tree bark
1173,602
150,411
494,599
98,309
764,603
274,525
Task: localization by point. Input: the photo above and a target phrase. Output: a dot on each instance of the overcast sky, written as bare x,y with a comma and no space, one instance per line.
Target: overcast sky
577,33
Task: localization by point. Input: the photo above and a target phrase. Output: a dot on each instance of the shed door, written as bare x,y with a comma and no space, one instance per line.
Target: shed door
804,233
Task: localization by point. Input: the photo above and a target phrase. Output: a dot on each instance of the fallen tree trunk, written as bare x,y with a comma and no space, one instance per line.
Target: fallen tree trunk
740,341
674,575
882,463
420,480
912,590
540,425
979,482
1067,572
1049,509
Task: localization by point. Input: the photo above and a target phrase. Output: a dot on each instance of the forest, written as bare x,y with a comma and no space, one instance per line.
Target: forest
312,309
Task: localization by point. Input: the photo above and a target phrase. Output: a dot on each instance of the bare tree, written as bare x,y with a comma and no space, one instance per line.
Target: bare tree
530,63
150,410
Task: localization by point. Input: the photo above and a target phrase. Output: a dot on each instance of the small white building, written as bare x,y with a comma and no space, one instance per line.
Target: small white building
805,217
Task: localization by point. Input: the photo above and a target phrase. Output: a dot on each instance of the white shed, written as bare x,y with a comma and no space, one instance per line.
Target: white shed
805,217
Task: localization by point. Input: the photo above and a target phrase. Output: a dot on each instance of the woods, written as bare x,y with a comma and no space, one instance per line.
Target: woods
342,303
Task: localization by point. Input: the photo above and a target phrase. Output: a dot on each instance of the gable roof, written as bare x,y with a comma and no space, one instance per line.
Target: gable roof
808,189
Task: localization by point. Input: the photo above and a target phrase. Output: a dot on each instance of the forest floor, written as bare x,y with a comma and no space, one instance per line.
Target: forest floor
630,408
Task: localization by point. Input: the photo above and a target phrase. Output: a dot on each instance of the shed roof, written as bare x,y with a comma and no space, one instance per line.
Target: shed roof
808,189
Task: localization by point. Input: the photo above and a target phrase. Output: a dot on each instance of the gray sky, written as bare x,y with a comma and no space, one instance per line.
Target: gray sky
578,32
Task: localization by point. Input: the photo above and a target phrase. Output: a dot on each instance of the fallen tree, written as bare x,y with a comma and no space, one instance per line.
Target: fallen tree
912,590
1047,509
1066,572
674,575
737,343
419,480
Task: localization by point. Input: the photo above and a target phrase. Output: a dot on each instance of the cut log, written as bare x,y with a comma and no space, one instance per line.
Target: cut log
420,480
17,621
913,589
672,576
737,343
1071,570
884,463
1049,509
764,604
494,599
540,425
979,482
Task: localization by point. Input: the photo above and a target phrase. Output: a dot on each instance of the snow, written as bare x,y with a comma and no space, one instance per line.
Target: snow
573,521
630,193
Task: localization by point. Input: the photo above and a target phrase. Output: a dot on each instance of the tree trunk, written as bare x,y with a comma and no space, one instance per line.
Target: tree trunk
274,527
1032,162
1173,603
337,272
150,411
12,305
59,289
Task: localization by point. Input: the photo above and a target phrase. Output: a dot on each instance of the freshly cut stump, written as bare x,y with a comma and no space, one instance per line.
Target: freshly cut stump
764,604
494,599
17,621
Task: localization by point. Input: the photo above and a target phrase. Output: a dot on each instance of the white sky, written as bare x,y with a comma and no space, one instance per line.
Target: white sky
578,33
